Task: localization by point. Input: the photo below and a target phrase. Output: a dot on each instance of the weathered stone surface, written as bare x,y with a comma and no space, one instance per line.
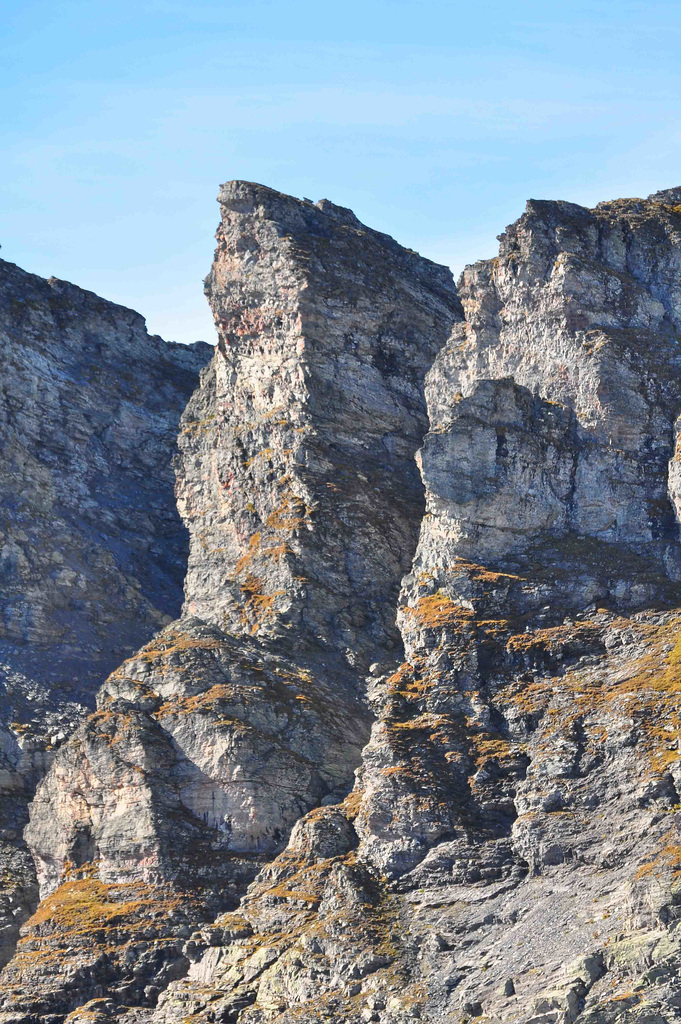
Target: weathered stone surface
296,477
515,845
201,740
297,481
582,307
92,551
511,849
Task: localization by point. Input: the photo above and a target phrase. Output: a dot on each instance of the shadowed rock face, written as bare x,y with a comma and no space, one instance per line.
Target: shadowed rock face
92,551
511,847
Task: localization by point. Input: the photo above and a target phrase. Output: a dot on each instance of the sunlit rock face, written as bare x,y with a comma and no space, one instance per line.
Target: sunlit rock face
92,550
510,849
269,820
297,478
582,307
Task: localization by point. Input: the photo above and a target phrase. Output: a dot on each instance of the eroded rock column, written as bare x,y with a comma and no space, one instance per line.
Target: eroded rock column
296,477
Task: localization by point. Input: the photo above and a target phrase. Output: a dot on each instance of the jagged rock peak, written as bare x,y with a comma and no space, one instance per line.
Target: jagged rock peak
669,196
582,308
296,477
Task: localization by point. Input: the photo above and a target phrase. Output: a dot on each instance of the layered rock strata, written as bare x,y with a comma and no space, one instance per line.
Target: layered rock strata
92,550
511,850
297,482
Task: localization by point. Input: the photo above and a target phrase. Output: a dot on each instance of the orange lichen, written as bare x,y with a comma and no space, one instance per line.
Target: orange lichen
668,858
259,606
352,803
210,700
173,642
487,747
79,907
481,574
257,550
643,691
249,554
290,515
554,638
436,611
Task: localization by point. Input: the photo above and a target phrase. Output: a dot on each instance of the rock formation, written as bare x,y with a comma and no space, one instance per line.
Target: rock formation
510,847
92,551
297,478
297,481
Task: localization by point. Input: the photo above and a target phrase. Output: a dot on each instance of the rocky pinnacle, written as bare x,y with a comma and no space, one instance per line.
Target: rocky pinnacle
296,477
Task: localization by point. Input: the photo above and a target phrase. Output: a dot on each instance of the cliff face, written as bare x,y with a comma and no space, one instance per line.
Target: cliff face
297,481
297,477
510,847
92,551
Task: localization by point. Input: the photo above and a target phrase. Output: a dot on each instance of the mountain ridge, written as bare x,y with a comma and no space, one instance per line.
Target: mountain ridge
411,750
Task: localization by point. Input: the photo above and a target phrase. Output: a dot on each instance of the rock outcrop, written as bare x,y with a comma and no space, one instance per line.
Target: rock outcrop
92,550
297,481
297,478
511,847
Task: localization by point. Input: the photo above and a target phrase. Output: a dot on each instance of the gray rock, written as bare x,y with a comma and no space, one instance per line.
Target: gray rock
297,478
516,805
297,482
510,846
92,551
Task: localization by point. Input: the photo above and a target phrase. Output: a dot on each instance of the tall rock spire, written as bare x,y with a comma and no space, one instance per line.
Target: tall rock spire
296,477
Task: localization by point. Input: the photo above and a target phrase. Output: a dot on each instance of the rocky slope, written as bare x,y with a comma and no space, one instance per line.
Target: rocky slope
92,551
510,849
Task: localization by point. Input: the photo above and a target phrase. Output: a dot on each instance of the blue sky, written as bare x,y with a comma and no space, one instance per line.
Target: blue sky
433,120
